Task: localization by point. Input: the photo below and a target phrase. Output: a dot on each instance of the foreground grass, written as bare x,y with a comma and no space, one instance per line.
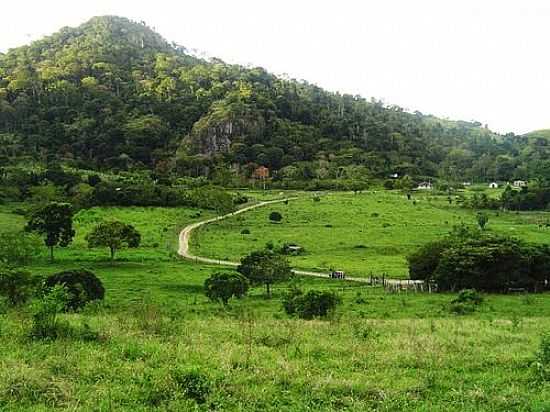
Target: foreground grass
257,363
363,234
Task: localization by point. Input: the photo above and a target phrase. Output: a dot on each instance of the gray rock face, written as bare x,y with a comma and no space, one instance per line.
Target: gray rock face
217,139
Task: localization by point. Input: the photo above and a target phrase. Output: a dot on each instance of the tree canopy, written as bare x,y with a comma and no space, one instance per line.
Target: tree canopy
55,222
265,267
113,235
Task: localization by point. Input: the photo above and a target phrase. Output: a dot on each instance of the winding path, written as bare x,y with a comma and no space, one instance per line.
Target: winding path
185,236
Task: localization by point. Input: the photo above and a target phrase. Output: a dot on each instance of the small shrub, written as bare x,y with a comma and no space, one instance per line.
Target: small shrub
82,286
466,302
193,383
542,359
374,214
482,219
223,286
468,296
461,308
245,232
311,304
275,217
316,199
45,323
240,199
17,285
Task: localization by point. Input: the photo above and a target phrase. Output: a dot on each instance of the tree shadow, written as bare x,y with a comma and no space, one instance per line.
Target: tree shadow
183,288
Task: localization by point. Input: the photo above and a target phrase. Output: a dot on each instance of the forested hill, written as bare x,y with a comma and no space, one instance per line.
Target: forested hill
113,94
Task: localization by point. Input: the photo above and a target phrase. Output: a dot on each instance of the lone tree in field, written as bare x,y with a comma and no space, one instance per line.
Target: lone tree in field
114,235
275,217
482,220
222,286
265,267
55,222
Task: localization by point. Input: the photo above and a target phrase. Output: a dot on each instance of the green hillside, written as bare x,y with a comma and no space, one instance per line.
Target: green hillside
113,94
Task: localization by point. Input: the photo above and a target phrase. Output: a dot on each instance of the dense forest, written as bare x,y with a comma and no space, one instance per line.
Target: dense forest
114,95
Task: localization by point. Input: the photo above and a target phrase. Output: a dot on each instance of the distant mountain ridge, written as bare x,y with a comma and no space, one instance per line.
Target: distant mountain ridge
113,94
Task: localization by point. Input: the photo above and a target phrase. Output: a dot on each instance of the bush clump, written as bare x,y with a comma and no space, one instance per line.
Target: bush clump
466,302
313,304
275,217
245,232
472,259
223,286
45,311
17,286
82,287
471,296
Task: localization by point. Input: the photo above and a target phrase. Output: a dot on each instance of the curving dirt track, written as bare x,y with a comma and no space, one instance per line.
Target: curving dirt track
185,236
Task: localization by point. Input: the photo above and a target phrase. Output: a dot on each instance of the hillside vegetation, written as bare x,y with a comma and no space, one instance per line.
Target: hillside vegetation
113,94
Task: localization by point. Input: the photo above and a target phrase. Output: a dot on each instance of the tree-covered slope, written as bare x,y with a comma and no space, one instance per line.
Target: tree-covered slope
114,94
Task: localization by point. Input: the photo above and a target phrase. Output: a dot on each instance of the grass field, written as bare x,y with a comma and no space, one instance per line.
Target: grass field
382,351
363,234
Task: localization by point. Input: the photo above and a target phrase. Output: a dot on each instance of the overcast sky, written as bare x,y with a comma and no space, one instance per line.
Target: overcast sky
484,60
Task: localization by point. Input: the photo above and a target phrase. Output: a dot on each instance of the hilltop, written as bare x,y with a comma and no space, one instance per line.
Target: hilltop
113,94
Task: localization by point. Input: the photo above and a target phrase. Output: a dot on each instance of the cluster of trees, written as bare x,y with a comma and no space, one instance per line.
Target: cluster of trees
468,259
54,223
61,292
533,197
528,198
267,267
57,184
113,94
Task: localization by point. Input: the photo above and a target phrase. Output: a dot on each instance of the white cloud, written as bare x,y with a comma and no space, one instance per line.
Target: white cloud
483,60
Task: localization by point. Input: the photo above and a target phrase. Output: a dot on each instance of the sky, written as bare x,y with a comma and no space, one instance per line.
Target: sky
483,60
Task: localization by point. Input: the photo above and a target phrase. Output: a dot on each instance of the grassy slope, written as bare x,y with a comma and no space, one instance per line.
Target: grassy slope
361,234
384,352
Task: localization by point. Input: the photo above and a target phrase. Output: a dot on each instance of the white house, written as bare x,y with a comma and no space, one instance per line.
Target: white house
493,185
520,183
425,186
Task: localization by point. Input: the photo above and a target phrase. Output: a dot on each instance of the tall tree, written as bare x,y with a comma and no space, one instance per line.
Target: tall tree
55,222
265,267
114,235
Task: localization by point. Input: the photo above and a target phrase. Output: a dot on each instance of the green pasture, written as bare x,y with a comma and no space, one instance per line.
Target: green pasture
362,234
381,351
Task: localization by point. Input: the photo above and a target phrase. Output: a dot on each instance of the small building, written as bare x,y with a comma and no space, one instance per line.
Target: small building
467,184
261,172
520,183
493,185
292,249
425,186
